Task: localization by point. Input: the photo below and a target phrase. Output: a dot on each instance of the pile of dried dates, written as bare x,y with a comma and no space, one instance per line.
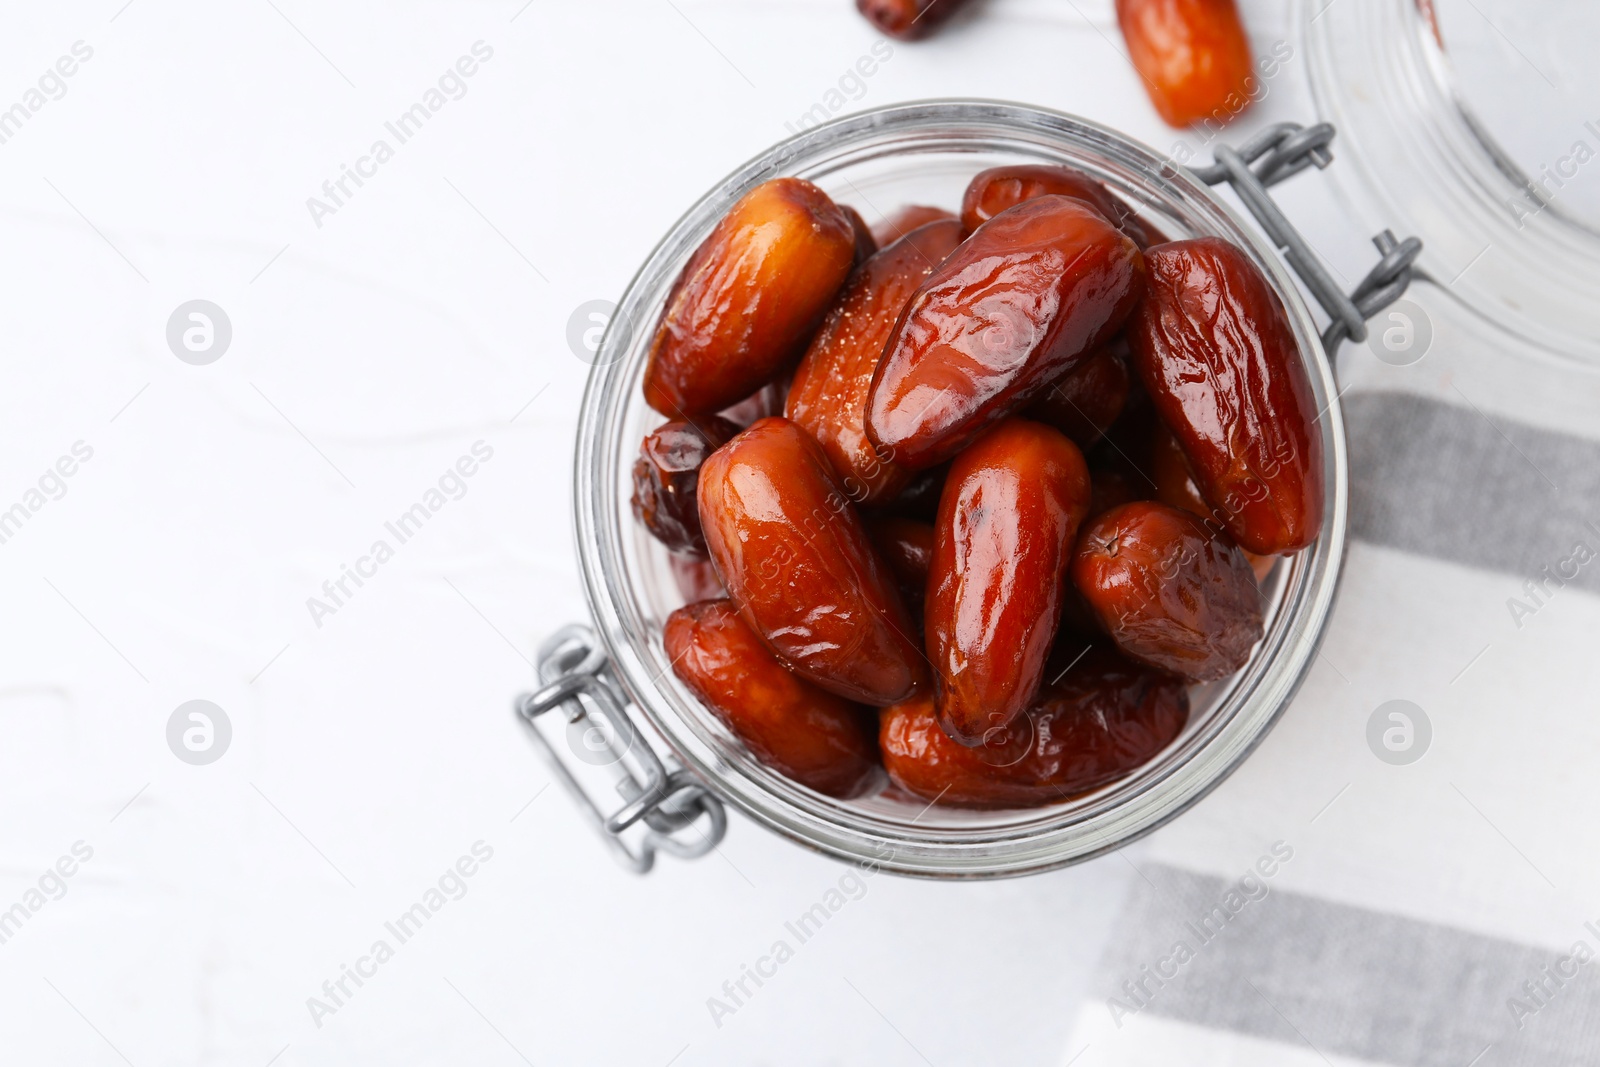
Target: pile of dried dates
970,499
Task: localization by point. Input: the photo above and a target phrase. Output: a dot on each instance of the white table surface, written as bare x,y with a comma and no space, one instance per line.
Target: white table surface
371,752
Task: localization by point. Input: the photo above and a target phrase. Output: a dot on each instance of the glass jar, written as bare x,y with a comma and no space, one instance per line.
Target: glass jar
925,153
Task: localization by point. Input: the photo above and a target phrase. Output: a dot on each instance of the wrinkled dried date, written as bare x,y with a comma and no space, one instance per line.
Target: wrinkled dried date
1169,592
799,564
1192,55
998,188
1002,545
1020,302
1103,719
748,299
794,727
666,477
1086,400
1215,352
829,394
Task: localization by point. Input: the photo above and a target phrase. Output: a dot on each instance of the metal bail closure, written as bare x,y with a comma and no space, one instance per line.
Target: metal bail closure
1277,153
575,676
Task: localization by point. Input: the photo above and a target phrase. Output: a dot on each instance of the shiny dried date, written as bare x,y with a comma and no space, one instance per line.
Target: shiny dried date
908,20
896,225
906,545
1086,400
1002,545
998,188
695,578
1169,469
1213,347
802,732
1192,55
828,397
749,298
1168,592
1174,482
1016,306
666,477
1102,720
866,243
799,564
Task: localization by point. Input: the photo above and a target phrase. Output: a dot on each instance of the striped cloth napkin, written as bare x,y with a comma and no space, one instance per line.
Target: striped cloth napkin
1405,872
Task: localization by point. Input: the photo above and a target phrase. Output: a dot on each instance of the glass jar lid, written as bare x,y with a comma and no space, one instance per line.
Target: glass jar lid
1475,124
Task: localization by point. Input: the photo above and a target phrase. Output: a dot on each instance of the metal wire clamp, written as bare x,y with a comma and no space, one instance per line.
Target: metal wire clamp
1279,152
572,666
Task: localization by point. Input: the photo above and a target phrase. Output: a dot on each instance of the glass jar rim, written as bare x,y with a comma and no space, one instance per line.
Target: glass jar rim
1034,841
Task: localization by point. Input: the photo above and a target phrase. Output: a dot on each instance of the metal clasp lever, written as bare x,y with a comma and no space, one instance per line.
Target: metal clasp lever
1277,153
573,669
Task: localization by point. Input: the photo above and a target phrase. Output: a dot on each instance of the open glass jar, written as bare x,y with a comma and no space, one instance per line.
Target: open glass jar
920,153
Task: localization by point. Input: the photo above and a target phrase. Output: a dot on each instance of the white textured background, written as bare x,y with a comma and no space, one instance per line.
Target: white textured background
369,754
